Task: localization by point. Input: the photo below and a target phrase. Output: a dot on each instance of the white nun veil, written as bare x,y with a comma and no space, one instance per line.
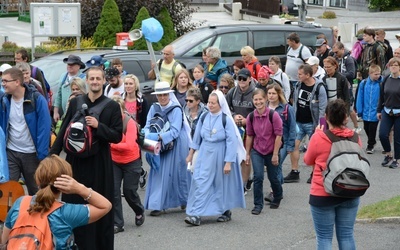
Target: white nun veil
241,152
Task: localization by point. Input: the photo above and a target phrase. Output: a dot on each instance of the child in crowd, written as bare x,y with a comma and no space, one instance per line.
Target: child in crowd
117,63
367,103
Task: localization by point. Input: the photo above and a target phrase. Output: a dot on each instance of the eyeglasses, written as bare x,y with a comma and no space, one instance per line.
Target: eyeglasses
189,100
7,81
224,87
240,78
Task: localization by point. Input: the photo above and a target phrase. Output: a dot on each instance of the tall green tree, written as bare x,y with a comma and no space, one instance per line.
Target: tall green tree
166,21
141,43
110,24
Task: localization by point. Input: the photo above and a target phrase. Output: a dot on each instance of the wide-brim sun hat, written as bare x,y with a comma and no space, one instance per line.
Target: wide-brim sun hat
162,88
72,59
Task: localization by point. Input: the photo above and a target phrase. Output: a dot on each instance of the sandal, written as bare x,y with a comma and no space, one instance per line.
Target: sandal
227,216
193,220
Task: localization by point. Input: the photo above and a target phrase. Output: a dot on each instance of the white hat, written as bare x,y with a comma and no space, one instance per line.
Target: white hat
162,88
397,35
4,67
313,60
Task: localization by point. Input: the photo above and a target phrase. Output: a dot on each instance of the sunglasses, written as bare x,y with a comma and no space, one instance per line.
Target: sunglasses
240,78
188,100
224,87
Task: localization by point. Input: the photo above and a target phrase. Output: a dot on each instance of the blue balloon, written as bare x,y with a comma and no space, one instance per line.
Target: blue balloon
152,30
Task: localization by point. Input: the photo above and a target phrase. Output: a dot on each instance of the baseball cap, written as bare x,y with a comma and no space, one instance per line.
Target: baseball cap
111,72
244,73
320,42
95,61
4,67
397,35
313,60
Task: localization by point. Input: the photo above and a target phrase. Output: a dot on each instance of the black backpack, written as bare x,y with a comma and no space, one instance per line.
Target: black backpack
140,135
79,138
159,123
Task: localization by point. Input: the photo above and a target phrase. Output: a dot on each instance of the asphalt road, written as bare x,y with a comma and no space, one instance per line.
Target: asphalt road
289,227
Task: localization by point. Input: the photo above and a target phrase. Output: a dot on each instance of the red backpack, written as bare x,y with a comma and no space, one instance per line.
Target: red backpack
32,231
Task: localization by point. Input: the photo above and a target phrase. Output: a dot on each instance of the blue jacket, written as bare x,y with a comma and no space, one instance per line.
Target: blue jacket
368,98
37,117
219,68
289,125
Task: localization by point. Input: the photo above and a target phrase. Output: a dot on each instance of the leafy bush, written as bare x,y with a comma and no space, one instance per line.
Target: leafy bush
9,46
90,16
384,4
329,15
169,33
110,24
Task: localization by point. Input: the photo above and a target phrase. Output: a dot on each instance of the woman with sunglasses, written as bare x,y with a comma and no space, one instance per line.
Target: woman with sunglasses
182,83
226,83
193,108
203,84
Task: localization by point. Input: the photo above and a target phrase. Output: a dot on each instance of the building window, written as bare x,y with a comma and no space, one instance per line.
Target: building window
315,2
337,3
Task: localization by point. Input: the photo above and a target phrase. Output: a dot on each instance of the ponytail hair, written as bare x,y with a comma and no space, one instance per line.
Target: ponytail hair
49,169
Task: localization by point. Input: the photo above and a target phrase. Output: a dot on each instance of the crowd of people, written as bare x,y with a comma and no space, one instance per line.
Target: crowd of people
262,111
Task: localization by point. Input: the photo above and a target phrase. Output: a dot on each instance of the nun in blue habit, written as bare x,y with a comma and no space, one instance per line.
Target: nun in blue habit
217,185
169,181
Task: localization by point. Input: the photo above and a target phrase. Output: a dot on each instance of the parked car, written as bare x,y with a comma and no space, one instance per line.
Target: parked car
266,40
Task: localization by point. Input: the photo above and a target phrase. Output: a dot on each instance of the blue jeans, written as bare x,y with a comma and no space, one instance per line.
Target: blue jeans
304,129
387,122
282,156
343,217
259,161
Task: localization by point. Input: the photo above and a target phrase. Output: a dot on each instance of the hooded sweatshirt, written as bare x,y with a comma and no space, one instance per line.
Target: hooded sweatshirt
239,102
317,154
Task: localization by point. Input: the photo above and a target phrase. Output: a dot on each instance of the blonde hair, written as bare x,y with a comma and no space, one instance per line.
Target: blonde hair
136,81
175,83
48,170
80,84
229,79
247,50
374,68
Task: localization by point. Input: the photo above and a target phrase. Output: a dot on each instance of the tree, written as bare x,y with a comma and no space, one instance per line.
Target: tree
110,24
141,43
169,32
90,16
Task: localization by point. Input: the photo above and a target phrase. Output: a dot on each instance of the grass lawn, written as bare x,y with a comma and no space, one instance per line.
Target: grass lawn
387,208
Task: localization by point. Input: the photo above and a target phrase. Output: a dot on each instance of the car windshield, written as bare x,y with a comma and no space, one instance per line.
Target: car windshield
186,42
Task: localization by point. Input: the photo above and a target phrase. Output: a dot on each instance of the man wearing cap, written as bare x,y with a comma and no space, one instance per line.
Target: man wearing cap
318,71
94,171
97,61
115,84
25,120
240,102
74,64
322,51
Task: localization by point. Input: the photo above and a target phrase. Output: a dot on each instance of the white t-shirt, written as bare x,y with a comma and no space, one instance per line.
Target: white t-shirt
293,61
110,91
19,138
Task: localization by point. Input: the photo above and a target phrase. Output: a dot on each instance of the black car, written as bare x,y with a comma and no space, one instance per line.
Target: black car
266,40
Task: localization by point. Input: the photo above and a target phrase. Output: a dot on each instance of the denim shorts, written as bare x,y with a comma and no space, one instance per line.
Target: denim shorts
304,129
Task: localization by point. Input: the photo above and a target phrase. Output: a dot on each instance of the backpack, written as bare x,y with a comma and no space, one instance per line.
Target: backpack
176,63
271,116
301,52
159,123
203,117
355,64
79,138
32,231
347,168
140,135
48,89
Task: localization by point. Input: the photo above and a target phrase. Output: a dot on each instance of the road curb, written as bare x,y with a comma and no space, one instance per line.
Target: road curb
379,220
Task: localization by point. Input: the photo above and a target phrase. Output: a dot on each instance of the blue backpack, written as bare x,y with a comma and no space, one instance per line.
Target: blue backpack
159,123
